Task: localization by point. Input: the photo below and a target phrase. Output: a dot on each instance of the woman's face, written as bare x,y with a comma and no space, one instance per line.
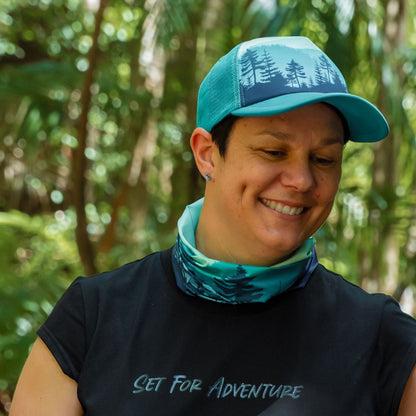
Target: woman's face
276,184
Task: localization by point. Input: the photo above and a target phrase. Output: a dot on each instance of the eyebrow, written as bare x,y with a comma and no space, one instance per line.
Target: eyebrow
288,137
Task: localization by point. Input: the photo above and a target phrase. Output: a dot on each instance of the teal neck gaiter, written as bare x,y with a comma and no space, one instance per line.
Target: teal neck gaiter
198,275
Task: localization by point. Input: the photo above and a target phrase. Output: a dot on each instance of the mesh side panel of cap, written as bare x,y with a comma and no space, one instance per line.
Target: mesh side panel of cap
219,92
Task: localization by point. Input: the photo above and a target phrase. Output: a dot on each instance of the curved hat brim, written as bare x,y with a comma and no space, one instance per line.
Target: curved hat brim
365,121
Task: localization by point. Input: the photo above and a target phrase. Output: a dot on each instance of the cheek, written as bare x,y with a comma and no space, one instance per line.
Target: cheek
327,189
253,179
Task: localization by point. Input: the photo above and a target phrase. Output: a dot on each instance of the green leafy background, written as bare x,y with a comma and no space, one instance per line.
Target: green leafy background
129,70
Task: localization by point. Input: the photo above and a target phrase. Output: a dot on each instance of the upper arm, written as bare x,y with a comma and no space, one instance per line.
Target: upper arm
408,401
43,389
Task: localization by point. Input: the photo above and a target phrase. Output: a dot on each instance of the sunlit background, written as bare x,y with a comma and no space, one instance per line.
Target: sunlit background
97,103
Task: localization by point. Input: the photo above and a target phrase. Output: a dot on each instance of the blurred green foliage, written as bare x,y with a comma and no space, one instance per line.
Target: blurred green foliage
139,173
38,258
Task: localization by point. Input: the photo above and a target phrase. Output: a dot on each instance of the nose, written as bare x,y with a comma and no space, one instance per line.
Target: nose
298,175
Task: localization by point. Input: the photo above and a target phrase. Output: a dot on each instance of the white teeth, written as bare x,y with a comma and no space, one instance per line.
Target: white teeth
284,209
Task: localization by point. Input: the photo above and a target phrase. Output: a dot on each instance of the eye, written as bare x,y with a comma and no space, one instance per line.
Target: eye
323,161
274,153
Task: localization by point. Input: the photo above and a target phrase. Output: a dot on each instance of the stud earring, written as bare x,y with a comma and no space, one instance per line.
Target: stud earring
207,177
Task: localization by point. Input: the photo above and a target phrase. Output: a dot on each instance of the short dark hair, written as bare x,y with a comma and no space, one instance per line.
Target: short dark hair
221,131
346,127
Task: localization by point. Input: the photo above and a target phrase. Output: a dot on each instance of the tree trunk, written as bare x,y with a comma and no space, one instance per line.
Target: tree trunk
85,247
385,168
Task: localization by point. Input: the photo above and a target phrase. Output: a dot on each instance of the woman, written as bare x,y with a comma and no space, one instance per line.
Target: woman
239,318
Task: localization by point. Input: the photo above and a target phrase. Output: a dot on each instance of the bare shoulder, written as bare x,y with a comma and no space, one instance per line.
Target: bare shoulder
43,389
408,402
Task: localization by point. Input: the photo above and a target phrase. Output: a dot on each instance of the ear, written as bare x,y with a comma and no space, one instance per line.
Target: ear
203,149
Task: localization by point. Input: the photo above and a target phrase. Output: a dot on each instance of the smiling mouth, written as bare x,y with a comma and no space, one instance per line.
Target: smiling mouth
283,209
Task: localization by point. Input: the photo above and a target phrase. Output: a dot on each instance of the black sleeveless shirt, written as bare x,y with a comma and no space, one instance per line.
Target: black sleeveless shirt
137,345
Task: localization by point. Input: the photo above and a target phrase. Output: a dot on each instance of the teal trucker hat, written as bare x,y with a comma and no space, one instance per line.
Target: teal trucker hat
274,75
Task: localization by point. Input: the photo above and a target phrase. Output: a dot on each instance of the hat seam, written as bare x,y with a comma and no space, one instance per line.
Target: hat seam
236,92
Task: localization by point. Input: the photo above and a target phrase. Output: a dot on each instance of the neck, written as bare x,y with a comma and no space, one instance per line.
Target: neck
210,241
231,281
